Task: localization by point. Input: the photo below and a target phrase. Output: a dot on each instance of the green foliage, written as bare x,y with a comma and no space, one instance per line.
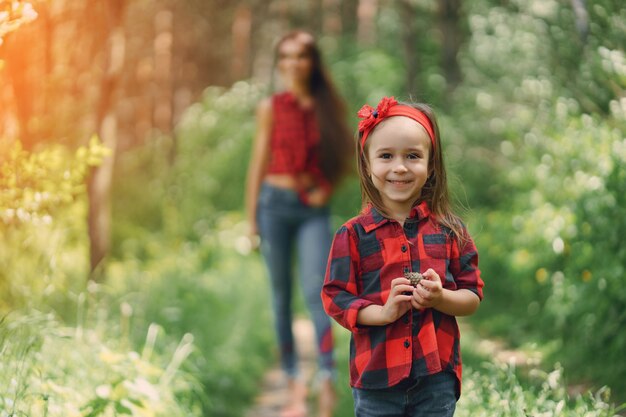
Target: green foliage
533,142
215,138
34,185
140,203
590,302
546,128
495,390
183,333
534,134
51,370
43,248
210,290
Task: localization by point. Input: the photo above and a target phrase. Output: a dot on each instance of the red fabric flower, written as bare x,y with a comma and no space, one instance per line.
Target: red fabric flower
368,119
385,104
370,116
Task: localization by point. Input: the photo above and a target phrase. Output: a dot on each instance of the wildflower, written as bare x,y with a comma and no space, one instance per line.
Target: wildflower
541,275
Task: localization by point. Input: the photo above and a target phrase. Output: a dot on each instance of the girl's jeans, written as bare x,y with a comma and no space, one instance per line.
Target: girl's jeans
426,396
284,222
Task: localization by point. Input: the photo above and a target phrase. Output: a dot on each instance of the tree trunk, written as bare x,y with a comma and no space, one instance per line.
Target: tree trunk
582,19
366,13
409,39
241,29
331,20
99,183
23,71
163,43
349,22
316,16
449,23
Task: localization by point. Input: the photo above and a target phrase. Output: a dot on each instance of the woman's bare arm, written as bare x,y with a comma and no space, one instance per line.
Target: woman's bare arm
259,159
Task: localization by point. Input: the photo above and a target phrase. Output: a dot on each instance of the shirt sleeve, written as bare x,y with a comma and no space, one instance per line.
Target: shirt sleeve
340,289
464,266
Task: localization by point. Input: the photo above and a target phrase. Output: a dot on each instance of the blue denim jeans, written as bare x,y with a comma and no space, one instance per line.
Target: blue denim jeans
286,223
426,396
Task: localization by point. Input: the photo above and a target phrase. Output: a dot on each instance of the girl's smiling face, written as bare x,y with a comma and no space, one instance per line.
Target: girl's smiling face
398,152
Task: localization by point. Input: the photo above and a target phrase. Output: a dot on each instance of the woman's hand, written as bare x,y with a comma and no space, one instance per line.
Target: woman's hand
253,236
429,292
317,197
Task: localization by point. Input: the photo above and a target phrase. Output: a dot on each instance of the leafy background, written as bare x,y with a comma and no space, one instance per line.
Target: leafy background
176,322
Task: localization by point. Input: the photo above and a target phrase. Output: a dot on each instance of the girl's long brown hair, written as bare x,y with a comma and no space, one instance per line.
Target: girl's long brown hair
434,192
335,137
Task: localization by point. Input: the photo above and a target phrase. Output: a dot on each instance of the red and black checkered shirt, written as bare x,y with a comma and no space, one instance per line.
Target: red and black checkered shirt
295,139
368,252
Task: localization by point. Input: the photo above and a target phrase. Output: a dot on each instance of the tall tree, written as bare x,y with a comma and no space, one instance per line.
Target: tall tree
99,185
409,36
452,37
241,39
366,13
349,22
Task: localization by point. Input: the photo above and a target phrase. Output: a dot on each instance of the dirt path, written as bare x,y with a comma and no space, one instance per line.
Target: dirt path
273,394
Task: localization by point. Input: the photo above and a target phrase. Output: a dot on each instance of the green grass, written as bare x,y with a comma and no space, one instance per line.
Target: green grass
493,389
187,332
184,333
48,369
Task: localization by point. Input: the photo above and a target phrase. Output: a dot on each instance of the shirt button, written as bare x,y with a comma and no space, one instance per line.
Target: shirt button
407,344
406,269
403,248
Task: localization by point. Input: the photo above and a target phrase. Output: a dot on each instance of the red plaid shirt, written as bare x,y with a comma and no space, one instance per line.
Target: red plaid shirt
295,139
368,252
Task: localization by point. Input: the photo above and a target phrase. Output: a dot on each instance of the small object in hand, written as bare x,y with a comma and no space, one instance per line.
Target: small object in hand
414,277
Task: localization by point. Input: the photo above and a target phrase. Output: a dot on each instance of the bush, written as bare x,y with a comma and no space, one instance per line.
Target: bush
548,219
495,390
43,250
51,370
212,290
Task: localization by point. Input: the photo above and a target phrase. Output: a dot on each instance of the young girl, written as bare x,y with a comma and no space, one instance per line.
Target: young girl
404,351
302,148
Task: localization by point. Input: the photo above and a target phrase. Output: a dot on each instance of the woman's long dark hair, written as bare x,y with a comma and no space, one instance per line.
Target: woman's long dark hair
336,142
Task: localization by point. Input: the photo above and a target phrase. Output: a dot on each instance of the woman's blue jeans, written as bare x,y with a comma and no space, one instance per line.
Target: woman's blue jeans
286,223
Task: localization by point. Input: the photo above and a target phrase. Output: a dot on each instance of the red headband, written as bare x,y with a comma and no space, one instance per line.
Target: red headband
388,107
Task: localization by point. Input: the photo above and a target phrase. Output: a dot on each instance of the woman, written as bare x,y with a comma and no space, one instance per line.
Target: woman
302,149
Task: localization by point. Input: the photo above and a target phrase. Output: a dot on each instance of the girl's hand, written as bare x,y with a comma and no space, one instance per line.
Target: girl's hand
399,301
429,292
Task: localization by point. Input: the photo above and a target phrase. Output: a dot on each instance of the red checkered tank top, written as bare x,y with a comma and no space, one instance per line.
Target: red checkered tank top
295,138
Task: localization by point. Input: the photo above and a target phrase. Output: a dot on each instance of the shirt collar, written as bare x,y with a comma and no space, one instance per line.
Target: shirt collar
372,219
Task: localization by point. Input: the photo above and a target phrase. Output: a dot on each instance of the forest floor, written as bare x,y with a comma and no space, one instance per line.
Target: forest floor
274,394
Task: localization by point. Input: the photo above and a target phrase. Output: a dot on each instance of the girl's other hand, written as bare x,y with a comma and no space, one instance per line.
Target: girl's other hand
399,302
428,292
